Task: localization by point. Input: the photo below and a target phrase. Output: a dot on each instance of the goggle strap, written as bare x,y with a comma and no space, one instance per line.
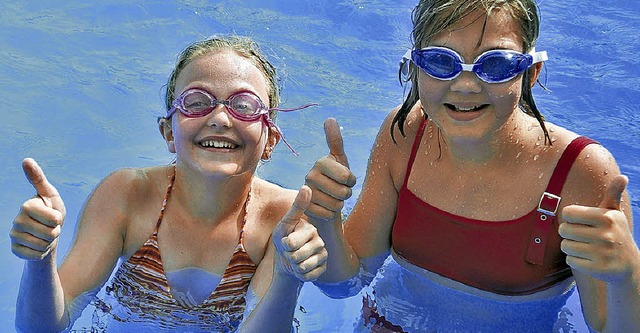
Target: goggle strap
407,56
294,109
539,56
270,123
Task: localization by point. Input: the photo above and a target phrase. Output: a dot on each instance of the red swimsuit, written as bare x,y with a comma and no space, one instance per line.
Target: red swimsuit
514,257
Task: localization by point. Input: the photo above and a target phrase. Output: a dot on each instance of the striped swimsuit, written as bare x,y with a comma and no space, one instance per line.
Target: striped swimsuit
142,293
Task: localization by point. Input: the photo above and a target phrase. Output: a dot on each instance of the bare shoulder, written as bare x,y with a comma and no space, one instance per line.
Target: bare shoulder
128,184
125,197
591,172
393,152
274,200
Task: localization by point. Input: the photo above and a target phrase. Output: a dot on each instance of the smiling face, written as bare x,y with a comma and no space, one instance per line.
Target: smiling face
217,143
465,107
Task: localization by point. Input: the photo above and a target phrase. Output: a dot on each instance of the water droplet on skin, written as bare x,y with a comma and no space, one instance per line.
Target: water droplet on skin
588,155
517,141
518,155
552,129
553,139
541,175
431,163
535,158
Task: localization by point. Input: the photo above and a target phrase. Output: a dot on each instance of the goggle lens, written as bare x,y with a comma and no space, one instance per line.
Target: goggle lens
242,105
494,66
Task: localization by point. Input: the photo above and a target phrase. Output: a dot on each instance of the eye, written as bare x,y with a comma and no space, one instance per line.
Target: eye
196,102
245,104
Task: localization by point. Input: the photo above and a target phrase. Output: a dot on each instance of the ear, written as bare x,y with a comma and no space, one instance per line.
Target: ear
272,141
535,73
164,125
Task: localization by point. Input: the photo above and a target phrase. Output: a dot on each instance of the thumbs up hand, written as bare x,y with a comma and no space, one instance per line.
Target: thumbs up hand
35,231
598,240
330,178
299,249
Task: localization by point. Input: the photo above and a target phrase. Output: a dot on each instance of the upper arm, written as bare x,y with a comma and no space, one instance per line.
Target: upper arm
278,202
368,227
99,237
586,185
264,273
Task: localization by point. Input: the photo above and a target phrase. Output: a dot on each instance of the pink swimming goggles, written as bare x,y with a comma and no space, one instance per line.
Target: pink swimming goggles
244,106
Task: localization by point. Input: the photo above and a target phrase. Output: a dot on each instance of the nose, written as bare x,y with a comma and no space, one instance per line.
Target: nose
467,82
219,116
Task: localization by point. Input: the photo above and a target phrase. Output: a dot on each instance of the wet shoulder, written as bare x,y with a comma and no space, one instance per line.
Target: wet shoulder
136,184
272,200
591,172
393,152
135,195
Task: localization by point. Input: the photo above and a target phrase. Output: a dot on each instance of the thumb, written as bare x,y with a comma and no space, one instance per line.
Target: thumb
334,141
36,177
293,216
614,192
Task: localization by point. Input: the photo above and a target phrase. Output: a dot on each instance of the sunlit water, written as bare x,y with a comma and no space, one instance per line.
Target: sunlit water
81,88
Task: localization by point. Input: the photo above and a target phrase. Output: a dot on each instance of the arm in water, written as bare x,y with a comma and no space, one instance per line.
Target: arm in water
298,255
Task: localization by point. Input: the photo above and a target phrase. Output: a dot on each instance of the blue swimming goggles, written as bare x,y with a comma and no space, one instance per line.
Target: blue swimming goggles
493,66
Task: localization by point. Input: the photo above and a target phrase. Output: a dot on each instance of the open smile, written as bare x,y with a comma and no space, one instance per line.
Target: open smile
217,144
456,108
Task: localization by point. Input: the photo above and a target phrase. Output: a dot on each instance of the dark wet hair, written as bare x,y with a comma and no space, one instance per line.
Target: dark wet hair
431,17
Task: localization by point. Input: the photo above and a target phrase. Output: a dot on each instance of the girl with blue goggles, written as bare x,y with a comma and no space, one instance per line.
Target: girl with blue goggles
493,66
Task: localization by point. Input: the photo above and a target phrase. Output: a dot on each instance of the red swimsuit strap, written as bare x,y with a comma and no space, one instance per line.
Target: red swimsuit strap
565,162
414,150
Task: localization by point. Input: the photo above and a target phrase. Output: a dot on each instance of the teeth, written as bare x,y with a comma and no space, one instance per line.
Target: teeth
217,144
467,109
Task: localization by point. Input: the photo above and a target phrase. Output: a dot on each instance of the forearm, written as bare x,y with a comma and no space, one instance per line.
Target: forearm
274,312
40,305
623,305
342,262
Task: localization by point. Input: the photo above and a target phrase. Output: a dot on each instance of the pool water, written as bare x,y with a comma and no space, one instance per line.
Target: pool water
82,87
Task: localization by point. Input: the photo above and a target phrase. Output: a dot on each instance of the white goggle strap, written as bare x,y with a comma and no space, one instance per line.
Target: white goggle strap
538,56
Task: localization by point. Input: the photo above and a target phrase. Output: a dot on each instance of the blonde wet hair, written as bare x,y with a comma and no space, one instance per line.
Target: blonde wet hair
243,46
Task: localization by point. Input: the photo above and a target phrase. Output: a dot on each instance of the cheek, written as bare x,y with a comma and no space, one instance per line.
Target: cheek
507,93
431,90
255,133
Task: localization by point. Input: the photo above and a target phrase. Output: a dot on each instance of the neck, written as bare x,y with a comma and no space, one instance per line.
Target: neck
493,148
210,199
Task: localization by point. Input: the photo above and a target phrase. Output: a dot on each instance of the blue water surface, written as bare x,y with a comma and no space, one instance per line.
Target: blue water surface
82,87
